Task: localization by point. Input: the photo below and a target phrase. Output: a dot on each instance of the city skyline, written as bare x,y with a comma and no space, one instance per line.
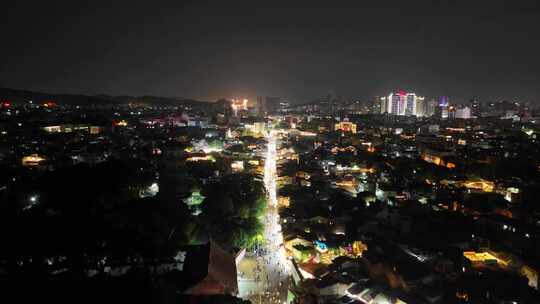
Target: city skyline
302,51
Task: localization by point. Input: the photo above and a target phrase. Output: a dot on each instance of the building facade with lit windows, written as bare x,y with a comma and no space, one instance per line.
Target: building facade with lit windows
403,104
463,113
345,126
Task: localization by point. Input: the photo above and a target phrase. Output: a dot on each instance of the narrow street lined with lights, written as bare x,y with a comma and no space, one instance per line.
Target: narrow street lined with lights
271,281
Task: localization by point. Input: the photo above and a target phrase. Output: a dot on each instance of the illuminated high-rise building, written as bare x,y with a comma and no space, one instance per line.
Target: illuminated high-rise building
410,104
463,113
443,101
420,106
396,103
444,113
239,105
404,104
444,104
382,104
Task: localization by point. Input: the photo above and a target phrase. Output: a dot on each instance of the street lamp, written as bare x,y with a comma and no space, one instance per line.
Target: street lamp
33,199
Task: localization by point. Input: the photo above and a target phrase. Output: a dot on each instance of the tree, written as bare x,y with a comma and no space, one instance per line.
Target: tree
232,208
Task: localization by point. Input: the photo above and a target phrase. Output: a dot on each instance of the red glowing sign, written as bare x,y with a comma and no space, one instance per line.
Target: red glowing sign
49,104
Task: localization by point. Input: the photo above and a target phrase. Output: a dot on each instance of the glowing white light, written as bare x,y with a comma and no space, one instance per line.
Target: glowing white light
270,170
34,200
273,228
154,188
150,191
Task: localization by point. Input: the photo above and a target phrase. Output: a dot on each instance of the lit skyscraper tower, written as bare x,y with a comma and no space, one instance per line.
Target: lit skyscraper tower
443,102
402,103
463,113
383,105
393,104
396,103
420,106
443,105
405,104
410,104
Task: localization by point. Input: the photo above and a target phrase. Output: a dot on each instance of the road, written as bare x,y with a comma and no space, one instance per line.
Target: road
266,274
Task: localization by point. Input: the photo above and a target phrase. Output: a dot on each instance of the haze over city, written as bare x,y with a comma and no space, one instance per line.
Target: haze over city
302,50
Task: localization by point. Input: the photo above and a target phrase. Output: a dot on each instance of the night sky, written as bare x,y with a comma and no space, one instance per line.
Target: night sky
297,49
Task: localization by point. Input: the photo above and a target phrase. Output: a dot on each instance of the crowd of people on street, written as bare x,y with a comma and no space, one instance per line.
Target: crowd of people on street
271,270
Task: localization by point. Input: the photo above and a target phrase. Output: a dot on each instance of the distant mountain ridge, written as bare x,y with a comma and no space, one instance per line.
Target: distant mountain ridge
23,96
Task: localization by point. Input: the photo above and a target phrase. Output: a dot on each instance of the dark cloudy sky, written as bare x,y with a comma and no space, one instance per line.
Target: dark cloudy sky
298,49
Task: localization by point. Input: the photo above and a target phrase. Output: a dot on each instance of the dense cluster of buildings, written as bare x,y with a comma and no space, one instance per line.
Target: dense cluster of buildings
438,208
409,104
403,104
406,200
